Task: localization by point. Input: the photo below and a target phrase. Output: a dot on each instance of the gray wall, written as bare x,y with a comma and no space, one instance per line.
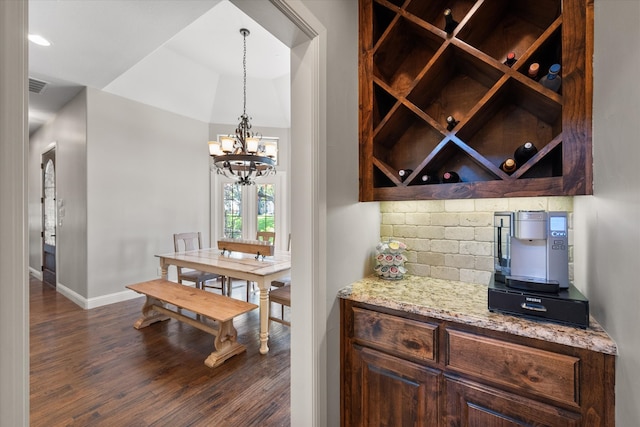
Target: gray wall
147,178
130,176
69,133
607,241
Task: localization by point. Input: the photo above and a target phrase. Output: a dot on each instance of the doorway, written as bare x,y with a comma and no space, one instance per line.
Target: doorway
49,217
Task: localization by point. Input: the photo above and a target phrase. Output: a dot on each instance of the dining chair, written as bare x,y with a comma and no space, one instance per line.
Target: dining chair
284,281
183,242
281,296
263,236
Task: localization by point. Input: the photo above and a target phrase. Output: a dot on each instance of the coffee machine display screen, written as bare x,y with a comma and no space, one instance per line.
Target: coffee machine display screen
558,223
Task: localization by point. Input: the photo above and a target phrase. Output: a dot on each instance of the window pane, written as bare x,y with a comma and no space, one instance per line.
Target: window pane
232,211
266,207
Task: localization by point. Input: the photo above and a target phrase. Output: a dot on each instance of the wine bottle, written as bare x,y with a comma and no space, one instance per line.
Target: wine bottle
450,24
451,122
404,173
552,80
450,177
533,71
524,152
508,166
511,59
429,179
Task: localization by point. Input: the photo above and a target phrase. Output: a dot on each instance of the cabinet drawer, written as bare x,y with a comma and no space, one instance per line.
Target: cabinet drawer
543,373
403,337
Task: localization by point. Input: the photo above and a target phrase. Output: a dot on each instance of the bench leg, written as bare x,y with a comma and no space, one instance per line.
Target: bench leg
149,315
225,344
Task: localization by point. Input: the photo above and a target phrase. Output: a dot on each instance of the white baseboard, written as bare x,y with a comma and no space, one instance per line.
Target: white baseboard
89,303
37,274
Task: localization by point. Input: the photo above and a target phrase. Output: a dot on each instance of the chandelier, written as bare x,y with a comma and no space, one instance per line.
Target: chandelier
241,156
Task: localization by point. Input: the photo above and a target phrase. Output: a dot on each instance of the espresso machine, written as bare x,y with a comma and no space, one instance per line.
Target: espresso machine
531,259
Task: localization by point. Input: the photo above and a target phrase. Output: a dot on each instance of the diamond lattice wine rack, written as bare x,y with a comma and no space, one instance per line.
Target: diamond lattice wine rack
414,75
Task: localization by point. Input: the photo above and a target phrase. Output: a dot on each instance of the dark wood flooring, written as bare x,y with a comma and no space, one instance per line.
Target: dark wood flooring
92,368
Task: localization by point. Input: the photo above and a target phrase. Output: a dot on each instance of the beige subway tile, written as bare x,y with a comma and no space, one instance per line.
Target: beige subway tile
420,245
386,231
560,203
476,248
405,231
484,263
459,205
475,276
483,234
459,233
416,218
405,206
445,218
412,256
476,219
430,206
431,232
459,261
393,218
491,205
386,207
445,246
418,269
528,203
430,258
448,273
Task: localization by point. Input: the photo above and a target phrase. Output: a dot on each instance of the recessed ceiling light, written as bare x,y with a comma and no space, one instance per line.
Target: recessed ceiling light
39,40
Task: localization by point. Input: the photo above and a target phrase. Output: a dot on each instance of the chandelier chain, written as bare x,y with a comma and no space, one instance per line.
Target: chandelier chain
244,70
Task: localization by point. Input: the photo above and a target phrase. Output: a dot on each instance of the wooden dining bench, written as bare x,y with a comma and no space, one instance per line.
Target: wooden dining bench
212,306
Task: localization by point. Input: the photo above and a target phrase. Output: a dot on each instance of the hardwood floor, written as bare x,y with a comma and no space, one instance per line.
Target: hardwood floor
92,368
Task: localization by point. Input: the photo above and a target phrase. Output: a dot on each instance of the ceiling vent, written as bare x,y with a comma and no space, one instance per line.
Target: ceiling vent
36,86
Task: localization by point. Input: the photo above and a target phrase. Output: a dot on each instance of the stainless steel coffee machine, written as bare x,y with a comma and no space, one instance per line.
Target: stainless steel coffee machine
532,269
532,250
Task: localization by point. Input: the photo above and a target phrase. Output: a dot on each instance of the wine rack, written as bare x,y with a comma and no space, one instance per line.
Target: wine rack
413,75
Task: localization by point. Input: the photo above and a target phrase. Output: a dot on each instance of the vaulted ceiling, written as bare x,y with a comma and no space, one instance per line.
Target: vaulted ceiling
184,56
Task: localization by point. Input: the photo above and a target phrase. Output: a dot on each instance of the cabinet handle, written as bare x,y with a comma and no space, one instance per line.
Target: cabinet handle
533,307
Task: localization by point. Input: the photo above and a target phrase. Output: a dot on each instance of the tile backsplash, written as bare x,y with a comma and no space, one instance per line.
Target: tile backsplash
453,239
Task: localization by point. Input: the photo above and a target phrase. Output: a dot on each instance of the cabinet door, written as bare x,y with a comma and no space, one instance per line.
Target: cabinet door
388,391
474,405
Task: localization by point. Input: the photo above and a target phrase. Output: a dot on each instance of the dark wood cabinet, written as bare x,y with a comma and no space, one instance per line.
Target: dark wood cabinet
403,369
413,75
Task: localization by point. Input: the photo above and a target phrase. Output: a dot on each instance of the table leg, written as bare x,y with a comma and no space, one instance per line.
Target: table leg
225,344
149,315
264,316
164,269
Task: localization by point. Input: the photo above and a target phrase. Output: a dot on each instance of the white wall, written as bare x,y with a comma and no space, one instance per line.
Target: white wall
607,241
69,133
14,311
147,178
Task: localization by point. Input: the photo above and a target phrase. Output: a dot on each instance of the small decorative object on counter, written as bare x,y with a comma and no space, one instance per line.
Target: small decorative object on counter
390,260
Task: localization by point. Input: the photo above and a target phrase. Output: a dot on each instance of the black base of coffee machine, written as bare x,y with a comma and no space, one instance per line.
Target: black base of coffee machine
567,306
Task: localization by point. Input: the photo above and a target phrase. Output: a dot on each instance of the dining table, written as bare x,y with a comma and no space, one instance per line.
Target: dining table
238,265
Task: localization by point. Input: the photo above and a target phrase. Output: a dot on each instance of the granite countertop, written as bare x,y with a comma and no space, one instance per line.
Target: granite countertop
467,303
